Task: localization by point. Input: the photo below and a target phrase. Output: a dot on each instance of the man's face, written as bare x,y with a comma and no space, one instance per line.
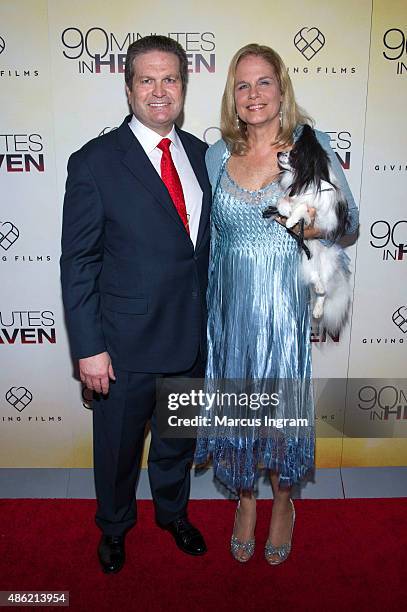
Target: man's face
156,96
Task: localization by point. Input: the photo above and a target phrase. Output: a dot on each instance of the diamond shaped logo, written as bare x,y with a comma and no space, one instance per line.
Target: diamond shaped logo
8,235
309,41
399,318
19,397
2,45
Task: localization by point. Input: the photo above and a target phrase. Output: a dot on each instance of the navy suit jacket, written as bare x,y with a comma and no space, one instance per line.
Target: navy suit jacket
132,282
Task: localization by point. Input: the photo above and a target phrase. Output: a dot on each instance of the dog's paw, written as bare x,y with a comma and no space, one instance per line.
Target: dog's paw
318,310
319,288
284,208
307,218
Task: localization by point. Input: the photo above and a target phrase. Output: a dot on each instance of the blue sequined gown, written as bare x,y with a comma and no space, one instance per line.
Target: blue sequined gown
258,329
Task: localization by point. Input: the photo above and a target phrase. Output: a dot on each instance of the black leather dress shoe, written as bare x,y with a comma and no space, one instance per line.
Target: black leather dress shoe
111,553
187,537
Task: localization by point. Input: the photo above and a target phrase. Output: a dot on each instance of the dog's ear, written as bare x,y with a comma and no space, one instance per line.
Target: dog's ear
309,162
341,210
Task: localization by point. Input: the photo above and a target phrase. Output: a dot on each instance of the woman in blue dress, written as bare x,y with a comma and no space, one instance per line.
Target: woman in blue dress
259,311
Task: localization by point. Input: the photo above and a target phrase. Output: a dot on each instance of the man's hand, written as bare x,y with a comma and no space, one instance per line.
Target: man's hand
96,371
309,231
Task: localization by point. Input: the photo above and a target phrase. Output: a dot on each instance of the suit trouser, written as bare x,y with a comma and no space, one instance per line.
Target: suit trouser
119,421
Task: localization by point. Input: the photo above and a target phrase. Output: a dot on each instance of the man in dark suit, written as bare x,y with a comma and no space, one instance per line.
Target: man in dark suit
135,248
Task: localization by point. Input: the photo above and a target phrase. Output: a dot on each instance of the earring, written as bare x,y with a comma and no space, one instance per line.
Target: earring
237,120
280,115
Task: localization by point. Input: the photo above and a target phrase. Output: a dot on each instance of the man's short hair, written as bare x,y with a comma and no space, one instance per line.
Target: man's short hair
155,43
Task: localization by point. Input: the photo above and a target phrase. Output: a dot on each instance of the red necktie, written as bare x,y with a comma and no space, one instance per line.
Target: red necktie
171,180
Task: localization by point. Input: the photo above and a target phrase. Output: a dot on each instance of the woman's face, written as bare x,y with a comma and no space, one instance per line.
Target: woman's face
257,92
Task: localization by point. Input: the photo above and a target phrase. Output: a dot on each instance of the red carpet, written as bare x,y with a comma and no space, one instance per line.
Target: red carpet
347,555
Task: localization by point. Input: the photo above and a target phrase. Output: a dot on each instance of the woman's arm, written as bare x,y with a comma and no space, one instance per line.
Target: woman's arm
353,212
214,161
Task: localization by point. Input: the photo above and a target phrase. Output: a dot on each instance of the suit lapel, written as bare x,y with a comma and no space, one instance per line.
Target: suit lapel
198,165
136,160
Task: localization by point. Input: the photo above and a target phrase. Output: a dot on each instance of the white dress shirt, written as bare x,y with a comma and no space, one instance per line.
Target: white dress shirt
190,186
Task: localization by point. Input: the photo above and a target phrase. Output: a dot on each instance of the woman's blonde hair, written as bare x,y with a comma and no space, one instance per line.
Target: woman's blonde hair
234,130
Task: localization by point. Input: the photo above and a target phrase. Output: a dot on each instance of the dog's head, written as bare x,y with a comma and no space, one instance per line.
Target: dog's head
283,159
307,162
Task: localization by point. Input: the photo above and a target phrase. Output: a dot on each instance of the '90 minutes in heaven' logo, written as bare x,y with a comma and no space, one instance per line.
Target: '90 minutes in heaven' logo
97,51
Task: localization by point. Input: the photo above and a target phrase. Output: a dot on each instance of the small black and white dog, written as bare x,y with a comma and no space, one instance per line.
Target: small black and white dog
307,181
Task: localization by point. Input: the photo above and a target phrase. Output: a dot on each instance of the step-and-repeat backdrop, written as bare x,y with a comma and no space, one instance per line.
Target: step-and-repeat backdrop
62,83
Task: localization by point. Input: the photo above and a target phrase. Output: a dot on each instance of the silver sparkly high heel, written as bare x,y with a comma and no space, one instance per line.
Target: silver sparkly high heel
281,551
236,545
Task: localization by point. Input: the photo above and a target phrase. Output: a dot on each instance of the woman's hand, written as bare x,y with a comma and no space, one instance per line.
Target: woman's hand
310,231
